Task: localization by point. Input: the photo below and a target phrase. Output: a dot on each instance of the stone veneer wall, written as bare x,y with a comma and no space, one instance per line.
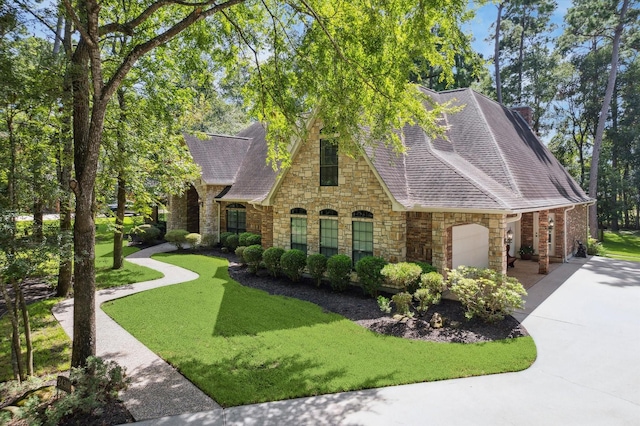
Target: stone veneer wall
558,230
358,189
442,237
209,211
576,229
177,212
419,237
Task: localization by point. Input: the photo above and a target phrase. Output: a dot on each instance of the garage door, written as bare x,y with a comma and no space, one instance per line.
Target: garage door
470,246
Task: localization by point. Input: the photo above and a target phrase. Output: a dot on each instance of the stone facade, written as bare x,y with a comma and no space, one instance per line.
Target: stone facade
442,245
419,237
357,189
576,229
177,218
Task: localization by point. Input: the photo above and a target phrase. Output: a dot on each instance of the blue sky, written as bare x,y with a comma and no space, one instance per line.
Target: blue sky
486,15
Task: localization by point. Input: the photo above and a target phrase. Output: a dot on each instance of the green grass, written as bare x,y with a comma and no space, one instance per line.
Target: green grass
51,346
622,245
130,273
241,345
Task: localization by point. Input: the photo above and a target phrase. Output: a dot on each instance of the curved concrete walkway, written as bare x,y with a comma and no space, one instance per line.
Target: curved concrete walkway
157,389
585,319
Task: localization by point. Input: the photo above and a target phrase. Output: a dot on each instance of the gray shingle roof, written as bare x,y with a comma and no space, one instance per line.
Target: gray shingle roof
219,157
489,160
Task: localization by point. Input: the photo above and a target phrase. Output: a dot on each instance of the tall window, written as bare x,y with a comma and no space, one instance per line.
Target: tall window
362,236
299,229
328,163
236,218
328,232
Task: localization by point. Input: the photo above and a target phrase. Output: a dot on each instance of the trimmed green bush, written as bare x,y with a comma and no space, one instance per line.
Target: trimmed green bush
401,275
485,293
193,239
293,263
339,271
177,237
239,253
402,301
317,266
426,267
145,233
253,256
368,269
424,298
271,258
232,242
208,240
254,239
224,236
435,284
594,247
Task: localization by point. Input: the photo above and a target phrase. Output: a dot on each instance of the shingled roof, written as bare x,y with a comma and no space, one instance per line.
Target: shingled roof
489,160
219,157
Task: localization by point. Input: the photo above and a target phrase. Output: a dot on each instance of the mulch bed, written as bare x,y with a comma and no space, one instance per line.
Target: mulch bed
364,310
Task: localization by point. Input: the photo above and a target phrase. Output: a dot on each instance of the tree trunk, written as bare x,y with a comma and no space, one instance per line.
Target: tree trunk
38,219
15,334
604,111
118,235
65,269
26,323
496,54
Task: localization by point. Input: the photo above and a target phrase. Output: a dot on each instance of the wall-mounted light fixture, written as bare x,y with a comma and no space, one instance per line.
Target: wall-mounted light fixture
509,237
552,223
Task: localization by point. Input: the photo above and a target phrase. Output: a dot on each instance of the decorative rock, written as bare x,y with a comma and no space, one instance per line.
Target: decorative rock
436,321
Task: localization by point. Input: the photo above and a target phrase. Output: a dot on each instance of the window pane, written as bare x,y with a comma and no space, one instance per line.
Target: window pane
328,163
328,237
299,233
362,240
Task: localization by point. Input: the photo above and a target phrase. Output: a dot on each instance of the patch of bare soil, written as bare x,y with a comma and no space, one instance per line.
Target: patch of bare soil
364,310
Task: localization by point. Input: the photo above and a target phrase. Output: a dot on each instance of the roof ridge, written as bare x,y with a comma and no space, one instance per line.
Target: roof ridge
504,165
227,136
461,172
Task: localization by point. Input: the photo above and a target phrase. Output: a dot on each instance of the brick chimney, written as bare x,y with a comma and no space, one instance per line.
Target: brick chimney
526,112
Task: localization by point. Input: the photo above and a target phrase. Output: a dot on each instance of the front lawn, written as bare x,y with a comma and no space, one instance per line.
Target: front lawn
622,245
241,345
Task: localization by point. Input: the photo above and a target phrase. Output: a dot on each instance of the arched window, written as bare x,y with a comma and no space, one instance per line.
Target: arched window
236,218
328,212
363,214
298,210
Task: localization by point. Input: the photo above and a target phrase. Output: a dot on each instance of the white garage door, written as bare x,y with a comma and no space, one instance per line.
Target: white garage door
470,246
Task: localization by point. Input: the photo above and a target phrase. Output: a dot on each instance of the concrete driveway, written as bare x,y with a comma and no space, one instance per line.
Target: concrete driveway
587,330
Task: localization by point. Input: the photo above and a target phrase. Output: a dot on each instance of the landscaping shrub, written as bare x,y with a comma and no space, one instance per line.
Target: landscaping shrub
145,233
317,266
208,240
368,269
424,298
594,247
402,301
485,293
253,256
239,253
401,275
271,258
384,304
231,242
435,284
224,236
96,385
177,237
426,267
292,263
339,271
249,239
254,239
193,239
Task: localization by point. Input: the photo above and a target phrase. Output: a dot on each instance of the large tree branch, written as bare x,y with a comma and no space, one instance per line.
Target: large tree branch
77,23
141,49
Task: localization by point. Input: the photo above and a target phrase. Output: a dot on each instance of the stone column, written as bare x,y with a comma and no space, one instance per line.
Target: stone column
543,242
177,212
439,242
497,247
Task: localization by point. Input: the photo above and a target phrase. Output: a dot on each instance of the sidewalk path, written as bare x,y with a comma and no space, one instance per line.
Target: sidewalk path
157,389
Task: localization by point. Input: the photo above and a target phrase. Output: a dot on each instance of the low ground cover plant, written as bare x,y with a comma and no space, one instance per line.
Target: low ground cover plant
485,293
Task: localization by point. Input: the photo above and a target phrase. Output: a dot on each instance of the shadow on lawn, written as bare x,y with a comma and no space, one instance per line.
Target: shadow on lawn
240,380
